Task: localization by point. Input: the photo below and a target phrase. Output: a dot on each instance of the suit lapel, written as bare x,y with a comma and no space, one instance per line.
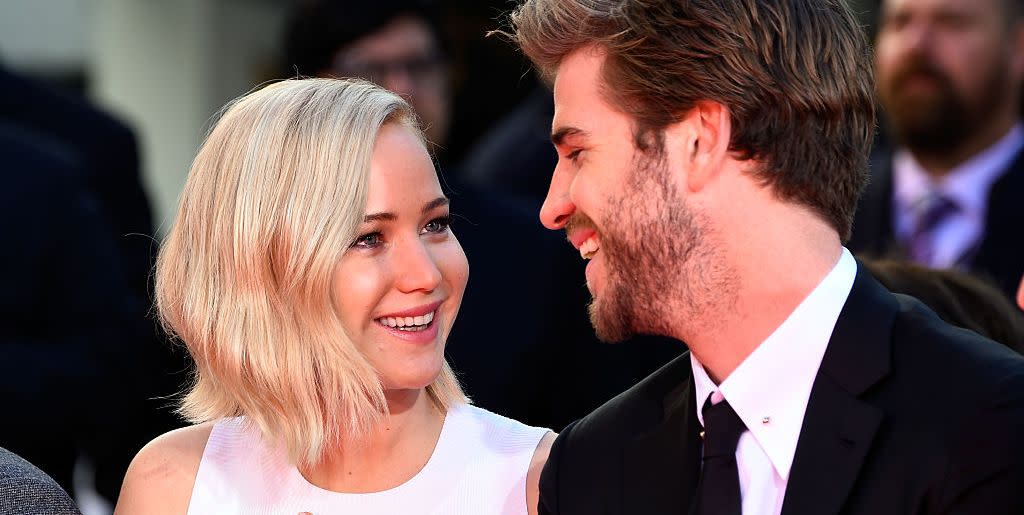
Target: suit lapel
662,466
838,427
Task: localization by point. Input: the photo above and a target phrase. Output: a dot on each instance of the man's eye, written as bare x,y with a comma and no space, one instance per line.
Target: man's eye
574,155
368,241
438,225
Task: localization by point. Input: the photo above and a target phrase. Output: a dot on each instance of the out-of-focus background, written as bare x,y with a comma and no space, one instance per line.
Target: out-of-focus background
164,68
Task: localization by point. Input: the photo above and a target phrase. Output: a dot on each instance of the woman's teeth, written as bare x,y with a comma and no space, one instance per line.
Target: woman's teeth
408,323
589,247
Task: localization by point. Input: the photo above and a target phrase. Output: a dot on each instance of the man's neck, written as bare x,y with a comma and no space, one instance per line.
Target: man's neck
777,266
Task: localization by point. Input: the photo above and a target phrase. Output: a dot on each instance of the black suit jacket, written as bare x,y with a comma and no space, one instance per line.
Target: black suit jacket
1000,254
907,415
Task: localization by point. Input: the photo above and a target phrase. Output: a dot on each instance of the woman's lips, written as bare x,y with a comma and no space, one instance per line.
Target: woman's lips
415,325
414,334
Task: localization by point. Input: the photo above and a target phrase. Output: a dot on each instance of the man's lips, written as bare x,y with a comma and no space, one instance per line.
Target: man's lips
578,236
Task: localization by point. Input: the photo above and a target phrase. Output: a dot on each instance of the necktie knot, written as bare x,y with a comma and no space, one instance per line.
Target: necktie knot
929,213
722,429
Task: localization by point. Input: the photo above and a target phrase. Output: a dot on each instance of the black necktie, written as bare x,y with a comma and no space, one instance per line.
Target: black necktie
719,490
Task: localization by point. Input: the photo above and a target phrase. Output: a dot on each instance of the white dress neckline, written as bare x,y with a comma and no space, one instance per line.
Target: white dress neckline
420,483
478,467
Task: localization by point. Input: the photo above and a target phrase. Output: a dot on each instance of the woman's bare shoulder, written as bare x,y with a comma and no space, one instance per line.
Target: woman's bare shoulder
540,457
160,478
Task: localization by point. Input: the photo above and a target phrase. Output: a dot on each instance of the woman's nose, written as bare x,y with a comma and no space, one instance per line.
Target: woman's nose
417,268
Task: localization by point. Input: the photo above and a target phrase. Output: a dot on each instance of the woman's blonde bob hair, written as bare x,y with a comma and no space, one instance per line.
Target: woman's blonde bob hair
244,278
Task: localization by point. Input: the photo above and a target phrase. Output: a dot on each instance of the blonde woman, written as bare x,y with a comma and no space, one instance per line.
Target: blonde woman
313,277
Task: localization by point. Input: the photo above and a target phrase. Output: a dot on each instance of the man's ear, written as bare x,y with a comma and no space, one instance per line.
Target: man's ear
701,140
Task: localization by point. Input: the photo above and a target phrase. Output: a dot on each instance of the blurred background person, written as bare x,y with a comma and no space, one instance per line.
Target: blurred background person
945,188
395,44
78,348
516,154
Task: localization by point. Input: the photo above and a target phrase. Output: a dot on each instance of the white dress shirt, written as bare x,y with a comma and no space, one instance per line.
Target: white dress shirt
770,389
967,185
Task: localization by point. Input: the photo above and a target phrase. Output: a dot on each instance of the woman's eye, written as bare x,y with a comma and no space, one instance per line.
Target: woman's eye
438,225
368,241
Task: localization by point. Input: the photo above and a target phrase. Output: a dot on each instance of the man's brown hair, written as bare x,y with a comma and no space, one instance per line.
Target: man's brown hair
795,75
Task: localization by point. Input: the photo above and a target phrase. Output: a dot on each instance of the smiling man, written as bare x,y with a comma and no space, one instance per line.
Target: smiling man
711,153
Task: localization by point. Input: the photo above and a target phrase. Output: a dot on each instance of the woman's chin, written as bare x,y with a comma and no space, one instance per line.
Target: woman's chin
409,381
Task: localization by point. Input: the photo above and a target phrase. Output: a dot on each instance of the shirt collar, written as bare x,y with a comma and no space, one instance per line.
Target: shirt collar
967,184
770,388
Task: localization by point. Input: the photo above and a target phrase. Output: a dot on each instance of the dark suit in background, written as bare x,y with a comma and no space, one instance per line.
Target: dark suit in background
907,415
516,156
80,239
1000,254
62,304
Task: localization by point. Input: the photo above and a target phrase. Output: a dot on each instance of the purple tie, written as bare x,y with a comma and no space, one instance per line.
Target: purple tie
929,213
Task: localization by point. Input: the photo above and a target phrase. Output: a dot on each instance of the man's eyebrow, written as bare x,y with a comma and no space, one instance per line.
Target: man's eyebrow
559,134
436,203
386,216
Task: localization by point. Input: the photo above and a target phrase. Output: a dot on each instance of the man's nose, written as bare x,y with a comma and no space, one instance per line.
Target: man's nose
918,37
558,206
417,268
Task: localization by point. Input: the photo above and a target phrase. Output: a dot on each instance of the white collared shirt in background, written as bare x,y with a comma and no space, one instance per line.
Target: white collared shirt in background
770,389
967,185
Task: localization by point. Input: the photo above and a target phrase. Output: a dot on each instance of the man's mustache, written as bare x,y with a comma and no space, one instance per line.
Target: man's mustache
920,68
578,221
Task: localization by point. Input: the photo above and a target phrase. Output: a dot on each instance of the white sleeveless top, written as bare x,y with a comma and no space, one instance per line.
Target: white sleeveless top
478,467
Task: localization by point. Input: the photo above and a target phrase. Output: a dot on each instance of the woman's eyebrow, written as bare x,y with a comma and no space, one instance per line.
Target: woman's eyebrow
387,216
436,203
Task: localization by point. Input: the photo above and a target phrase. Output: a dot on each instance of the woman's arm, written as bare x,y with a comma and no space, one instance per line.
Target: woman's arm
160,478
540,457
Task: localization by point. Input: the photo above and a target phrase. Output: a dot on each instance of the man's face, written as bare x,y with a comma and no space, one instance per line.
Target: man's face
651,255
944,68
404,57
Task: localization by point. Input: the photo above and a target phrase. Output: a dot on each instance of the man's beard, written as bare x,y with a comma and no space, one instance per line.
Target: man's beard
661,262
939,123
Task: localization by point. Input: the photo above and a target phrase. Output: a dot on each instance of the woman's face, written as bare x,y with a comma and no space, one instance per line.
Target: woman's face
398,288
